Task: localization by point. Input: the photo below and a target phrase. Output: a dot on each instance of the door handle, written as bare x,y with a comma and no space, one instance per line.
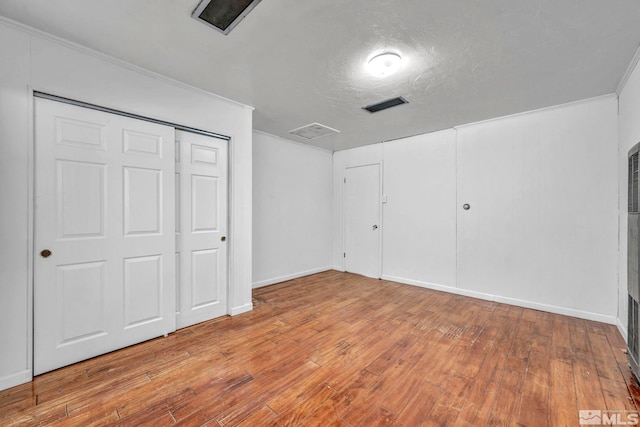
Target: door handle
223,238
375,227
46,253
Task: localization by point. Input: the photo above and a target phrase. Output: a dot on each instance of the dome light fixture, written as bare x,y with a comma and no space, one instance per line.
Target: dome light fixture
384,65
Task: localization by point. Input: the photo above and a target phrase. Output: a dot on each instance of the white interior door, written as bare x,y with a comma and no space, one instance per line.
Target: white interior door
499,229
201,230
362,220
104,233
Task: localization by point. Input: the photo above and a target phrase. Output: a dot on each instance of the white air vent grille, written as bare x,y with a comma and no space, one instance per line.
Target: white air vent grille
633,183
313,131
633,326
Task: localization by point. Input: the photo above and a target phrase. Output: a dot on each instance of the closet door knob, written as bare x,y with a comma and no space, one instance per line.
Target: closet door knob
46,253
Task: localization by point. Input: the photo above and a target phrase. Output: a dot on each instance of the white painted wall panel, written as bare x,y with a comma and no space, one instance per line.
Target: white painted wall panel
419,223
542,228
498,178
628,136
53,66
578,207
292,209
15,293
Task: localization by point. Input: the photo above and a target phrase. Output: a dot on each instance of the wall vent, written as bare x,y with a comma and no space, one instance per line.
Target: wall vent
633,328
223,15
633,264
633,183
313,131
374,108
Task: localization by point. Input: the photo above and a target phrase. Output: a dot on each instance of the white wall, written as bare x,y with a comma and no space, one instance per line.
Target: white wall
292,205
542,228
15,311
419,218
628,136
32,59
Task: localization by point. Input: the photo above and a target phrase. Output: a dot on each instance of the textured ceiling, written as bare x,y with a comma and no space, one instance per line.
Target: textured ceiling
300,62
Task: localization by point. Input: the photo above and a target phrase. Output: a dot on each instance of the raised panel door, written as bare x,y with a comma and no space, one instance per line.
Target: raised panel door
202,240
104,209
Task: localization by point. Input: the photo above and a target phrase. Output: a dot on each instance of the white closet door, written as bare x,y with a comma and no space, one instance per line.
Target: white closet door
201,239
498,237
362,220
104,233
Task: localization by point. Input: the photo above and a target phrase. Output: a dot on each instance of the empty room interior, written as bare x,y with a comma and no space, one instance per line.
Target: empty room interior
320,213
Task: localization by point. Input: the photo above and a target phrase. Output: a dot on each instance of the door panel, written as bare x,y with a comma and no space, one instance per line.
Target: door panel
204,267
81,293
142,290
142,201
362,220
104,207
204,203
82,191
201,242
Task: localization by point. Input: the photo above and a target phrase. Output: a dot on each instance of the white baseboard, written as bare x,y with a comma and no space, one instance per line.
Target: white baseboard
511,301
15,379
337,268
241,309
268,282
623,331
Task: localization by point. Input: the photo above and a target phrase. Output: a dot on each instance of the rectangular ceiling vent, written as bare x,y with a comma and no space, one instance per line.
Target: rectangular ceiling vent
223,15
313,131
374,108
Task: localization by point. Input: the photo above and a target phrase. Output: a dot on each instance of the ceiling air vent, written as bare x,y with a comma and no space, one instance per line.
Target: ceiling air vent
223,15
385,104
313,131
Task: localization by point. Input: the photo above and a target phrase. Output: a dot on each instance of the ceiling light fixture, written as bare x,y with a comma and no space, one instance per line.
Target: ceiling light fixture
384,65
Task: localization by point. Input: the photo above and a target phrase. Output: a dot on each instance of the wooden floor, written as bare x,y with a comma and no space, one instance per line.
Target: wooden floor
339,349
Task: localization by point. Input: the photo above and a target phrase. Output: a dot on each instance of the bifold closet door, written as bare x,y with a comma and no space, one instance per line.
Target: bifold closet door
104,269
201,228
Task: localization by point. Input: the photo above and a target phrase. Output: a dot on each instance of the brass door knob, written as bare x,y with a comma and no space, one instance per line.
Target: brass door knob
46,253
223,238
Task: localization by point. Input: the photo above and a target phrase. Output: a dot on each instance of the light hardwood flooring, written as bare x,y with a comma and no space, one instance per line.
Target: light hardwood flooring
339,349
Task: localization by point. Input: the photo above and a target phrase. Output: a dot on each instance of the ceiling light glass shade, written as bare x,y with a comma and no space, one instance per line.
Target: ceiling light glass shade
384,65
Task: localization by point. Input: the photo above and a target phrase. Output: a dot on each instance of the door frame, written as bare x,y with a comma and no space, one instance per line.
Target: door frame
31,177
380,211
